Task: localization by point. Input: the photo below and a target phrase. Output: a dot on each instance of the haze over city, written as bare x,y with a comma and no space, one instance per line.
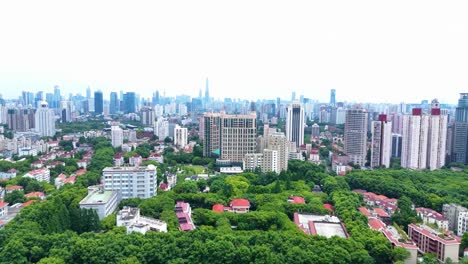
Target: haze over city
398,51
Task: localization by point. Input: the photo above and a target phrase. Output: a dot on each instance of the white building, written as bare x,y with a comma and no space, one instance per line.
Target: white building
45,122
131,182
270,161
131,219
182,110
180,136
430,216
252,161
161,128
103,201
355,136
381,144
116,136
295,124
27,151
424,139
40,174
3,209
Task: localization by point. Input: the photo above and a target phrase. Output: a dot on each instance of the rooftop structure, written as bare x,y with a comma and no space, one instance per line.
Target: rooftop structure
324,225
430,216
131,219
184,215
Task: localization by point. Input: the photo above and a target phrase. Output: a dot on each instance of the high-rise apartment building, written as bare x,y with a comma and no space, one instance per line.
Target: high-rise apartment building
147,116
116,136
232,136
460,131
180,136
355,136
270,161
278,142
98,103
295,124
381,143
20,119
457,217
315,133
161,128
131,182
44,120
396,145
424,139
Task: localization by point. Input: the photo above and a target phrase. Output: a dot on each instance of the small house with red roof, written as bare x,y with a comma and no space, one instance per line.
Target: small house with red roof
3,209
119,159
28,203
296,200
39,195
430,216
239,206
80,172
184,216
218,208
156,157
14,188
364,211
329,207
382,215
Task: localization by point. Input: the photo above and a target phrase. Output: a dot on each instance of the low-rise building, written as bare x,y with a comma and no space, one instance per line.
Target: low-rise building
239,206
3,209
135,160
14,188
443,245
131,219
296,199
119,159
430,216
40,174
39,195
396,238
104,202
324,225
156,157
184,215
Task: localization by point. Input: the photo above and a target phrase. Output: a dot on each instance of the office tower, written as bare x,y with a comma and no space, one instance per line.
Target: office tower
39,98
180,136
88,93
98,103
414,140
315,131
355,136
460,131
332,97
396,145
293,96
381,142
207,92
66,109
44,120
324,116
232,136
295,124
158,111
337,116
114,103
20,119
131,182
129,101
28,99
147,116
116,136
57,97
182,109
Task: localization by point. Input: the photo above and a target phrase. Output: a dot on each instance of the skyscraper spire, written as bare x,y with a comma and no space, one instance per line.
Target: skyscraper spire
207,91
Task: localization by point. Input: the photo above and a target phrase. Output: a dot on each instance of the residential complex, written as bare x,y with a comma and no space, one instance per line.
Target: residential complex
44,120
457,217
355,136
381,143
180,136
116,136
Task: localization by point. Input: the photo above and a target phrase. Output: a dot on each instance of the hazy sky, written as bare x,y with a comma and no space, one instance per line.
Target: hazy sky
378,51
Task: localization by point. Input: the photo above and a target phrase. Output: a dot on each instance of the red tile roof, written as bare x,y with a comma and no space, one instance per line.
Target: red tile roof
240,203
34,194
2,204
28,203
375,224
364,211
296,199
218,208
14,188
80,172
380,212
329,207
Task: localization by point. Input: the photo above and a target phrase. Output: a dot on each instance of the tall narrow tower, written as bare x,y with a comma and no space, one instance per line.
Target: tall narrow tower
332,97
381,142
355,136
295,124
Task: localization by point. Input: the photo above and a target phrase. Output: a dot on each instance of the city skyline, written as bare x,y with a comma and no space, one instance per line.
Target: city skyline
246,50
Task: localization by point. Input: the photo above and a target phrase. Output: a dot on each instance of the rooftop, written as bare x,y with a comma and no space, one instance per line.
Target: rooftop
141,168
96,197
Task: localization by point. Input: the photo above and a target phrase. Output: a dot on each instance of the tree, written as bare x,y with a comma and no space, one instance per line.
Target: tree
400,254
15,197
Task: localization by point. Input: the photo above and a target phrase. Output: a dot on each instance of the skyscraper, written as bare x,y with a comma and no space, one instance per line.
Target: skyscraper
98,103
116,136
114,103
424,139
129,100
381,142
180,136
88,93
332,96
44,120
57,97
147,116
207,92
460,131
295,124
355,136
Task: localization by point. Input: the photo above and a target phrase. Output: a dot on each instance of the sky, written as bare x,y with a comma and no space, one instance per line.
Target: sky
369,51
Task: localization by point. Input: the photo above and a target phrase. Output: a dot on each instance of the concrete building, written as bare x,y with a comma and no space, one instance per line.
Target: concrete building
40,174
424,139
184,216
103,201
381,142
232,136
295,124
457,217
324,225
252,161
45,120
147,116
355,136
270,161
98,103
20,119
460,131
116,136
396,145
315,131
180,136
429,240
3,209
161,128
131,182
131,219
430,216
